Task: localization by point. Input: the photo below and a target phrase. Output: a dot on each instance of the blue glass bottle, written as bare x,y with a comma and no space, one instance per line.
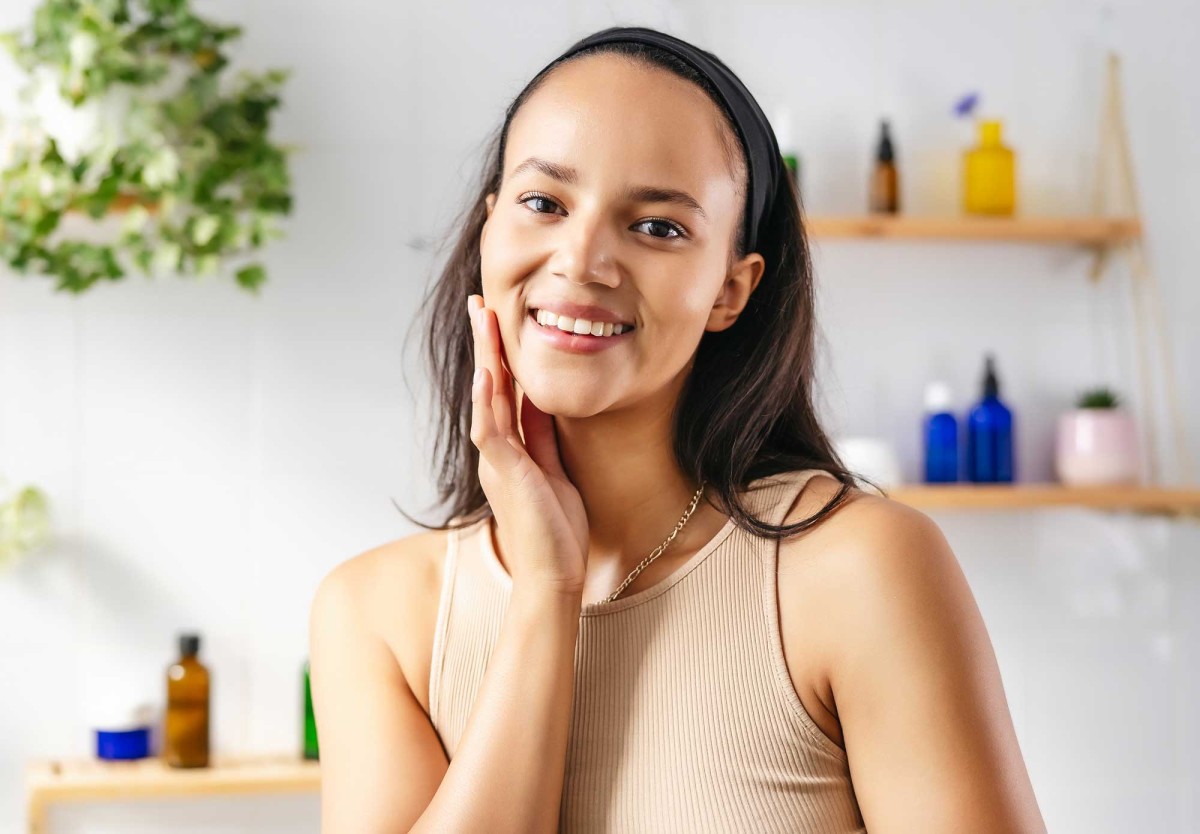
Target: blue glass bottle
941,435
990,434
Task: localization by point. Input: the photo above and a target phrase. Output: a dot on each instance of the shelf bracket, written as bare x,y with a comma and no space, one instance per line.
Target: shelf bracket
1149,310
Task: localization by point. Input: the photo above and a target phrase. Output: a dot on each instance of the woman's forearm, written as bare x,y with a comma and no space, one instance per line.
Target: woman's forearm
507,773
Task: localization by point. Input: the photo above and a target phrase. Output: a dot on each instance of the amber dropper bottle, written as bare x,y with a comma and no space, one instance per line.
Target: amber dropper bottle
885,182
185,734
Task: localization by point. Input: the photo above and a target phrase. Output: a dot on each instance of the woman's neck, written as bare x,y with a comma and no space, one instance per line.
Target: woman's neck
634,492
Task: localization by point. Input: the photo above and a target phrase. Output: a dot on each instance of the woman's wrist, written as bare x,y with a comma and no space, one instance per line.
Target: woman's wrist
547,599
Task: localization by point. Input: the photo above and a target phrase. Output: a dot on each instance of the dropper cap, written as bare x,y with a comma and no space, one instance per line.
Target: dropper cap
991,385
886,152
189,644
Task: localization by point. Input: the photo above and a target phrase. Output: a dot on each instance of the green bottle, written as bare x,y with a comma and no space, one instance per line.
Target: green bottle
311,750
782,126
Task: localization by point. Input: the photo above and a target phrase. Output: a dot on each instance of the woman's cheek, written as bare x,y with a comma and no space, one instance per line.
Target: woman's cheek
509,255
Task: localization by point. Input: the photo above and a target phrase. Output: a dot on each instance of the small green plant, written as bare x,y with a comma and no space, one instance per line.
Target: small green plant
1098,398
24,523
194,172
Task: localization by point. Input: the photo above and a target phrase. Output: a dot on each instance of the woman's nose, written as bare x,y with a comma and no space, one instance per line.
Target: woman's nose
586,251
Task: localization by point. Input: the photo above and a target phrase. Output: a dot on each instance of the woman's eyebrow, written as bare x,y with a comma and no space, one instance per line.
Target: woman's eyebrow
638,193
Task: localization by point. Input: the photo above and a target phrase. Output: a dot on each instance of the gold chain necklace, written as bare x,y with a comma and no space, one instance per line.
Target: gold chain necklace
658,550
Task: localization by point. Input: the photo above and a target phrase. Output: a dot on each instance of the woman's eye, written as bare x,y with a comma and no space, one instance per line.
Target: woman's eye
531,202
670,227
538,198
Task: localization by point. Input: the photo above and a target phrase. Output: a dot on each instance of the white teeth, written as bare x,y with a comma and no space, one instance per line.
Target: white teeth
580,326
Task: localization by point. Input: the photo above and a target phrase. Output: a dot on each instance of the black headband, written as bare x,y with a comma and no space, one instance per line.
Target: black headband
765,163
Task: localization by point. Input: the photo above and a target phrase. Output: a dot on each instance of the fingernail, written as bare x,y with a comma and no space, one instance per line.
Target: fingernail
475,384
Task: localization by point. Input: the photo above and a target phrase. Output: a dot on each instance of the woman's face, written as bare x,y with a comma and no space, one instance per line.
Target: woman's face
616,193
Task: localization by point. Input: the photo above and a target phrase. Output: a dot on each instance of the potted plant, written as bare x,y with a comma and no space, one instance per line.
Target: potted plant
1097,443
133,126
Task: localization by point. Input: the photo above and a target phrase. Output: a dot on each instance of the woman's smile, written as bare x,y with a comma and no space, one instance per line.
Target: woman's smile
560,332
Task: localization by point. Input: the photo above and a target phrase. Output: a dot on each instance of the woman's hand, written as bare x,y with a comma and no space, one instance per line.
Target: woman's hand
539,513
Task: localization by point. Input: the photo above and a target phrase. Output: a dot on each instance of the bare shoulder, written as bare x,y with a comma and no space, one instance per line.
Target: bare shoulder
829,574
812,576
393,589
369,627
883,621
867,537
869,550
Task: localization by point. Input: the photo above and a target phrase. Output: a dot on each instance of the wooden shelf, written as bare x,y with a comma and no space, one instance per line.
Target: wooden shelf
970,496
1090,231
59,780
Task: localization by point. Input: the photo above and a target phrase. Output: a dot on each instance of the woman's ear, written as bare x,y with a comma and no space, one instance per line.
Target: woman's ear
740,281
490,202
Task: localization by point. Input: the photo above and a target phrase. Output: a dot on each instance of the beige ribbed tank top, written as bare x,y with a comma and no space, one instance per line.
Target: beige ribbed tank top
685,717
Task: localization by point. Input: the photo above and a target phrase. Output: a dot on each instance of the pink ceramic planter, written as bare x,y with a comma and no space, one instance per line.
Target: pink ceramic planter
1097,446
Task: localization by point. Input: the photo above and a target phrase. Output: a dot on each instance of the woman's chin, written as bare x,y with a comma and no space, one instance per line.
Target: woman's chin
559,401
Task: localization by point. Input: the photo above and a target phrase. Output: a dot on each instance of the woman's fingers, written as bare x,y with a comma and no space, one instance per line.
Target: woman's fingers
486,330
502,393
541,439
493,444
483,358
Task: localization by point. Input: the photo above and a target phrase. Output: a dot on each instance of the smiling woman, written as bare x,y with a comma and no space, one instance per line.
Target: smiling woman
582,644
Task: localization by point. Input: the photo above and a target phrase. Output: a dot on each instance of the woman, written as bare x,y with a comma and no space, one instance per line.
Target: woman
585,644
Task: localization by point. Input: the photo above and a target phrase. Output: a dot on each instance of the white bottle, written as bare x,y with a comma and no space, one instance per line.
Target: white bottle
940,435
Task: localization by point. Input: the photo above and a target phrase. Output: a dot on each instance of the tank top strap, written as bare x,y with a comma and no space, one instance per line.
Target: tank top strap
773,496
449,577
786,495
470,611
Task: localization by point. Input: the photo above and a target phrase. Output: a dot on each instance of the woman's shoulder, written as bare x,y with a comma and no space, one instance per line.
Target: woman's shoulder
843,570
856,528
376,577
393,591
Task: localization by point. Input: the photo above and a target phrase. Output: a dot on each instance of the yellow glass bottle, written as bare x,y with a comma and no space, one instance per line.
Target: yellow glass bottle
989,174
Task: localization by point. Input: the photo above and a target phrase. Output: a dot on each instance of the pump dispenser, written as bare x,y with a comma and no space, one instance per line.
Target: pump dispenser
990,433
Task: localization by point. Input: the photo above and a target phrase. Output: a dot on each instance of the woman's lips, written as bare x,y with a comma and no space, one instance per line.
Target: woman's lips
574,342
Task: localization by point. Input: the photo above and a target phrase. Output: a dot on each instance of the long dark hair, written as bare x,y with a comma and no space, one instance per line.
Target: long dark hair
746,409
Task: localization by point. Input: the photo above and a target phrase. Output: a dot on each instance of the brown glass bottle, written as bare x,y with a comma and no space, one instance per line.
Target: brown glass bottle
185,734
885,182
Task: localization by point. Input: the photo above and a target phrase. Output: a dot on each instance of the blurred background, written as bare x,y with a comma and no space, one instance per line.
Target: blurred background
207,453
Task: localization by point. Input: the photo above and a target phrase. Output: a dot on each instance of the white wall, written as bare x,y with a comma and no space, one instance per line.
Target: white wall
211,455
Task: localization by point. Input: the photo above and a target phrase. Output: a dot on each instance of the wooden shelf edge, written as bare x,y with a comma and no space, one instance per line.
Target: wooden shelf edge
1146,499
57,780
1087,230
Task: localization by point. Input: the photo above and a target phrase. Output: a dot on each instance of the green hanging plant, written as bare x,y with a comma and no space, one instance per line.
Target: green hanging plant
184,161
24,523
